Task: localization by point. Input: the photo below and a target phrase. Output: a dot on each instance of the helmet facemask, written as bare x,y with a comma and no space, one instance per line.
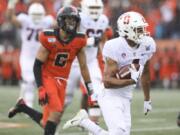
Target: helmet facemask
68,19
70,24
139,32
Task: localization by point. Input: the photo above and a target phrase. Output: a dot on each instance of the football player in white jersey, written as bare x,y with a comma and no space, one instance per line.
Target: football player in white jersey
94,23
30,25
133,44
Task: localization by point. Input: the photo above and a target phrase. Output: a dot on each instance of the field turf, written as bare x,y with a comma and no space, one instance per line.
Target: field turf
161,121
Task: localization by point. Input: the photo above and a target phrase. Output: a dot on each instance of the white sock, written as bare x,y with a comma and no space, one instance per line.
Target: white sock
92,127
27,93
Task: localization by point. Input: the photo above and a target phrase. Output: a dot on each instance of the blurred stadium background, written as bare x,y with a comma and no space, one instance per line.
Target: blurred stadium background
163,17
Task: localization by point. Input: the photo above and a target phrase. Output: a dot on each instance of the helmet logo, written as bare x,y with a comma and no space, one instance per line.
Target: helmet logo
126,19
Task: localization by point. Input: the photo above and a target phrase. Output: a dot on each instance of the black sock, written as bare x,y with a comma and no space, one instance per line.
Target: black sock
50,128
33,114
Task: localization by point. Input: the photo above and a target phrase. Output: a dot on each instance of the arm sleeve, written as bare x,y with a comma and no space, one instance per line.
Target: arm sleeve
37,72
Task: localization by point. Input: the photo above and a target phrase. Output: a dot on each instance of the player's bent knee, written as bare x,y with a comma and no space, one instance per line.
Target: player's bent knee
55,117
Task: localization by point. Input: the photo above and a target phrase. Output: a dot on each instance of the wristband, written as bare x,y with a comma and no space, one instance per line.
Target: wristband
89,87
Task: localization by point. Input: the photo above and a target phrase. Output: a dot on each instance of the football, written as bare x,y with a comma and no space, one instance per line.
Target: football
124,72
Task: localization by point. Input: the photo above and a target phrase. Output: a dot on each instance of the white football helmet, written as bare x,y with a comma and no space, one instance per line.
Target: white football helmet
36,11
92,8
132,25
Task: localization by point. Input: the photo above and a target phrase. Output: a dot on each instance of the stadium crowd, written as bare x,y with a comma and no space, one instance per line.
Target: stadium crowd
162,15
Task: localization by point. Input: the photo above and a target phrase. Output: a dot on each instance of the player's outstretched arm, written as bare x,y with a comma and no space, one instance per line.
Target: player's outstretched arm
110,80
10,13
145,83
84,70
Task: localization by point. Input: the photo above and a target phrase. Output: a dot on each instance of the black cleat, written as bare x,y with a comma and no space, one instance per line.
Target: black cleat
17,108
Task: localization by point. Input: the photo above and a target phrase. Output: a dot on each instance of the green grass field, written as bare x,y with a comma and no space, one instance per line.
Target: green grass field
161,121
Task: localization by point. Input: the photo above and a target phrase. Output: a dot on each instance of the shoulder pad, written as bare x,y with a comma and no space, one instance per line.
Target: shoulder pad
80,34
48,32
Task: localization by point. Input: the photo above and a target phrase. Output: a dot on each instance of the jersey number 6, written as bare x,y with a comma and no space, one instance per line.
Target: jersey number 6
61,59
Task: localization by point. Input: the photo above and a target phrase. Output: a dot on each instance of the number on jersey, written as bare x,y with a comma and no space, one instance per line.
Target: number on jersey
61,59
31,33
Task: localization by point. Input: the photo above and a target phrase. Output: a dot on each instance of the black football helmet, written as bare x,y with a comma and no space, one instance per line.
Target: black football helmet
68,19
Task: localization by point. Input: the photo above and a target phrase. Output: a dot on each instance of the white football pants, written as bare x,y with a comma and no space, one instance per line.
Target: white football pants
116,112
28,81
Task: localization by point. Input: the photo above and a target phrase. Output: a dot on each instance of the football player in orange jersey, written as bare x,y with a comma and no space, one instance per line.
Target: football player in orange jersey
52,66
96,26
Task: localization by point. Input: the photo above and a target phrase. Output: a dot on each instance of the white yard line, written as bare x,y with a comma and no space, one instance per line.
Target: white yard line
154,129
150,129
169,110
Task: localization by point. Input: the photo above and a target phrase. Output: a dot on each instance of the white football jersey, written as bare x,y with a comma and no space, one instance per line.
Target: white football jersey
118,50
29,34
93,29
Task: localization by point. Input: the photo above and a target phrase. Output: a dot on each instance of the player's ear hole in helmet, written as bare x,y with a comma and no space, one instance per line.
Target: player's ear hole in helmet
68,19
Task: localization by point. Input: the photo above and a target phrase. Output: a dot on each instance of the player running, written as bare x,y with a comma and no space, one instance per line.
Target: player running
115,100
95,24
52,66
30,25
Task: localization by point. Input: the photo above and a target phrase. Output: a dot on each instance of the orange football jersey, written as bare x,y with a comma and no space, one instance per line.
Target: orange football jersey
61,54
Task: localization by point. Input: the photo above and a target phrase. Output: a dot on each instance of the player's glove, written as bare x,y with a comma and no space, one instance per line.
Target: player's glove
93,100
135,75
43,97
147,107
